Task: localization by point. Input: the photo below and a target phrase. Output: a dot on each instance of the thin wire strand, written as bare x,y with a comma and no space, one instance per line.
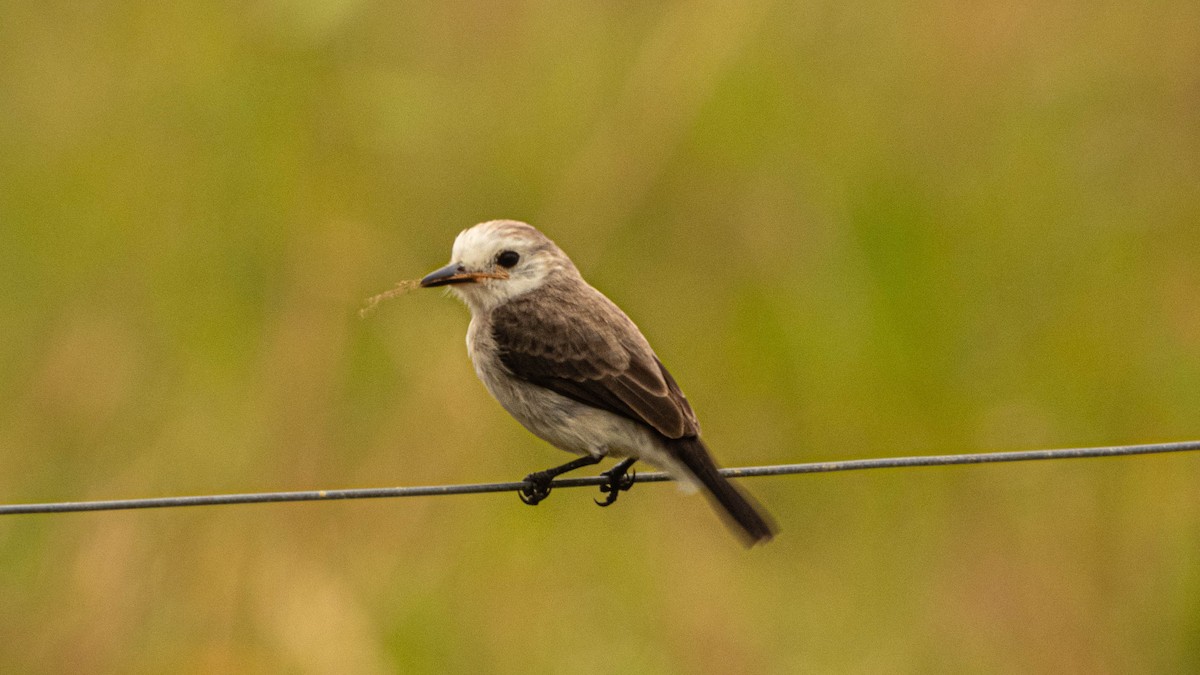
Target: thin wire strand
478,488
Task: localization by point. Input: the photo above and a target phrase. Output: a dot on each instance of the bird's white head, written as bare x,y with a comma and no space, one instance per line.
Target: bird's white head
498,260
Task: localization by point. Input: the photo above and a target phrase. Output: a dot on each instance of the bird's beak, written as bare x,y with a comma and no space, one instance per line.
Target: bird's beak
455,273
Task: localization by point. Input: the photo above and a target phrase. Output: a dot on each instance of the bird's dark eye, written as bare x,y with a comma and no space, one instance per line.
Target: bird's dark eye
508,258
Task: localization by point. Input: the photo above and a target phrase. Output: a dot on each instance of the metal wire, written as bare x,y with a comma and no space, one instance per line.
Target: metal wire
476,488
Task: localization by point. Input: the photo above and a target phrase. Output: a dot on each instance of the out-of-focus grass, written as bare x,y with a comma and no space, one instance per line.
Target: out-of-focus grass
850,230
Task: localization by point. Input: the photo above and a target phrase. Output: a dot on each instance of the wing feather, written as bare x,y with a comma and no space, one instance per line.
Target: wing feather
576,342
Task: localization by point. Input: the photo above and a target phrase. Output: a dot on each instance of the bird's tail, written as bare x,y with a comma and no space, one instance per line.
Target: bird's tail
748,518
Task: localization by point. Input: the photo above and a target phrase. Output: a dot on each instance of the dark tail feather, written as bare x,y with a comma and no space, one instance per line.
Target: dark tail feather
751,521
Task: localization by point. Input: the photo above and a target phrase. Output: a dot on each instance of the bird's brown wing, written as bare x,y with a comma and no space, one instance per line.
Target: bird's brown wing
577,343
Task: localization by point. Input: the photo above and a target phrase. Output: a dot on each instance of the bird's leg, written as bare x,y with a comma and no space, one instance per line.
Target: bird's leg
539,487
617,479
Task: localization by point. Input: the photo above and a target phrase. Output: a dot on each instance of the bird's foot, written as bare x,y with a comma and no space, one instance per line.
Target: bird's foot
616,480
538,487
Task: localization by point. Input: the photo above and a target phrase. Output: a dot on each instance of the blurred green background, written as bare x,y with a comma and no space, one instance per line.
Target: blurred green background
851,230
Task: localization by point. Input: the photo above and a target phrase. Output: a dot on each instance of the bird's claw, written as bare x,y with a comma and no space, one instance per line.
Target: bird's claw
538,488
614,484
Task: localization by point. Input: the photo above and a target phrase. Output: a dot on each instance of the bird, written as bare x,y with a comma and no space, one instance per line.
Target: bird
574,370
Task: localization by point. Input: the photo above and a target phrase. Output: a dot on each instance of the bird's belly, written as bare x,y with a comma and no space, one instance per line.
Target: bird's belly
558,420
565,423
